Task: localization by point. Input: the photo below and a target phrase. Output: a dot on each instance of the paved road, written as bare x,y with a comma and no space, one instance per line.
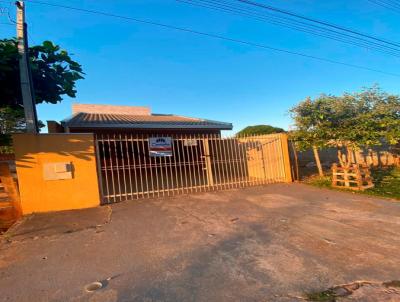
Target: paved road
271,243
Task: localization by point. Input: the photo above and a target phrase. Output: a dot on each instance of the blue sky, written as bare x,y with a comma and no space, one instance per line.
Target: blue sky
128,63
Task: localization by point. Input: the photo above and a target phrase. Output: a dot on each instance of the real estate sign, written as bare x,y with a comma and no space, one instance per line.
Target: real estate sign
160,146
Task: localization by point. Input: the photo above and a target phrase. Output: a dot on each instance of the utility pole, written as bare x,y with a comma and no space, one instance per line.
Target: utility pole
24,68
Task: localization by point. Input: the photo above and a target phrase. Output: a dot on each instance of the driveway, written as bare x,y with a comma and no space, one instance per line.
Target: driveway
271,243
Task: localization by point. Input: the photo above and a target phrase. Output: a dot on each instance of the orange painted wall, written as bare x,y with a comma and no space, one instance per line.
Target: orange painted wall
39,195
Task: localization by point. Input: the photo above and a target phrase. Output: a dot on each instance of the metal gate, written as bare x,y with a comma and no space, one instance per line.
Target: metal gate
131,169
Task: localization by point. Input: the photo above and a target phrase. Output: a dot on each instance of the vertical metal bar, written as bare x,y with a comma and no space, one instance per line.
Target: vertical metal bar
155,165
260,160
123,167
145,165
221,163
243,149
166,175
105,169
174,158
170,165
192,162
206,166
161,190
266,154
232,157
134,167
181,174
225,168
129,166
111,168
253,153
203,174
140,165
267,160
187,164
209,138
216,161
228,161
238,161
117,168
98,166
197,163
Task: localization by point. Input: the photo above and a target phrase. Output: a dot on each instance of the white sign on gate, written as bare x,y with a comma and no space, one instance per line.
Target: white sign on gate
189,142
160,146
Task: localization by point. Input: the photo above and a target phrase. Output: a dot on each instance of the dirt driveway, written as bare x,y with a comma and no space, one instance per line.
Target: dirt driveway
271,243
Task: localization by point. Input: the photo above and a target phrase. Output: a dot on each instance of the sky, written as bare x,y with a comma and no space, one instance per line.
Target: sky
130,63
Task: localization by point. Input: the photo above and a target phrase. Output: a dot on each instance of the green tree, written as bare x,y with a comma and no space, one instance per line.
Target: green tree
259,130
54,75
349,122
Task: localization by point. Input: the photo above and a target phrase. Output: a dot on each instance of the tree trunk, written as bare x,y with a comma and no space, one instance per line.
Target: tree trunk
318,161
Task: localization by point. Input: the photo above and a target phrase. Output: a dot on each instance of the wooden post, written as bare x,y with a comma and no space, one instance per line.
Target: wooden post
286,157
334,175
210,178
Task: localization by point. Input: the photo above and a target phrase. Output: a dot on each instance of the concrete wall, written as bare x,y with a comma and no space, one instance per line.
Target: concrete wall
35,154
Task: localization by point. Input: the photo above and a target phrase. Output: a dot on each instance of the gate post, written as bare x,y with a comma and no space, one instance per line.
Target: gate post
286,157
206,147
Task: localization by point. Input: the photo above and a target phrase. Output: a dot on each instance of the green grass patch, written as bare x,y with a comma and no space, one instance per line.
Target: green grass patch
325,296
386,180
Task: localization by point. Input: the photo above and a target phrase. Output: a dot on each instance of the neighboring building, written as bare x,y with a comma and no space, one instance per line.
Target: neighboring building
102,119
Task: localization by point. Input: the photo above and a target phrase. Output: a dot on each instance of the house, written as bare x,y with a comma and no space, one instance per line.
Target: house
140,154
108,119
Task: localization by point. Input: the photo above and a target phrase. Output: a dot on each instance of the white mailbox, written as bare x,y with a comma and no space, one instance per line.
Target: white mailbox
57,171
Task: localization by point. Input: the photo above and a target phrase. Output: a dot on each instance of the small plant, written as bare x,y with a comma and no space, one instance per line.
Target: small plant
324,296
319,181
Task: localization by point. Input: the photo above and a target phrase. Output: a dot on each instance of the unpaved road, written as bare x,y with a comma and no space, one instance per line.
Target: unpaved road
271,243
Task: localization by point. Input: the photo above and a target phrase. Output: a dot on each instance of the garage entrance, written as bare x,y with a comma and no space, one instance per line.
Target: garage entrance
144,166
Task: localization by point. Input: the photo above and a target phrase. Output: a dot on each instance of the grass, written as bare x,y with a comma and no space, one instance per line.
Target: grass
386,180
325,296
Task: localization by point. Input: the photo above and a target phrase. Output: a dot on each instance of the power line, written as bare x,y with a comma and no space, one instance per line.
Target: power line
387,5
215,36
312,29
328,24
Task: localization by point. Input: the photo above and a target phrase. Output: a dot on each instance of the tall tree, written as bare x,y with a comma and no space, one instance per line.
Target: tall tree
54,75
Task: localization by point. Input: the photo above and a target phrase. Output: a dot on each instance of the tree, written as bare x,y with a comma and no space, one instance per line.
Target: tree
259,130
54,75
348,122
311,125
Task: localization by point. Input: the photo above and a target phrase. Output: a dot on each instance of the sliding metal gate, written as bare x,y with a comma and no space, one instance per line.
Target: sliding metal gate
193,164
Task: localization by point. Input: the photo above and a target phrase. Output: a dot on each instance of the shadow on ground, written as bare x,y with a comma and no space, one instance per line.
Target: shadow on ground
272,243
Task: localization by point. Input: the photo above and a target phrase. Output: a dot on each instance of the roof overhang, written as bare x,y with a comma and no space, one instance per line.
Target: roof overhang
226,126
